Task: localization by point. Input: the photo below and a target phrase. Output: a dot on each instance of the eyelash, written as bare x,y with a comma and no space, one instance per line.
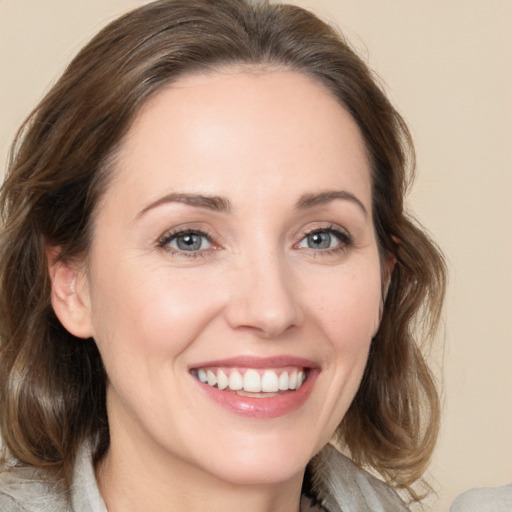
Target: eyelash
344,239
167,238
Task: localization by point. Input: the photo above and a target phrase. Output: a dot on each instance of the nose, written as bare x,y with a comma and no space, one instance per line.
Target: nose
264,297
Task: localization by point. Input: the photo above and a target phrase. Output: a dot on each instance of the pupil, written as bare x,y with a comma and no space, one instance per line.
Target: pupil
189,242
319,241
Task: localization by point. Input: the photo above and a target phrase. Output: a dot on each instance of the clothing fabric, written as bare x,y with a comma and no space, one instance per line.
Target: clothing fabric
341,486
484,499
25,489
338,486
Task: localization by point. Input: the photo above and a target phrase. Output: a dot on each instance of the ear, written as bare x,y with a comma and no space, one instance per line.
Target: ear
387,267
387,272
70,294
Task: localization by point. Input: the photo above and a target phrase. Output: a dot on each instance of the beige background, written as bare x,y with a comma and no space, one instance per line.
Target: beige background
447,64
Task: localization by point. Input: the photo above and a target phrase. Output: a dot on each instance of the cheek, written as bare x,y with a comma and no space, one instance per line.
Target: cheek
347,312
152,310
349,307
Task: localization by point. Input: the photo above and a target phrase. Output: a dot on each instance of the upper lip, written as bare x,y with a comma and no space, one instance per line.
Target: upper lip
246,361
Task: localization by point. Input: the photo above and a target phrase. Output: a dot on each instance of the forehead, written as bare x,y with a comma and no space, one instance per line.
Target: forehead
257,131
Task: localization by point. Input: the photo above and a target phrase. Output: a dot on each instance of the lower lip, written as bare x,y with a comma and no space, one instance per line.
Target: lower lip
264,408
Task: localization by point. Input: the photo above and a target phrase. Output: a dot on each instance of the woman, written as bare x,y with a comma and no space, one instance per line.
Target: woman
207,275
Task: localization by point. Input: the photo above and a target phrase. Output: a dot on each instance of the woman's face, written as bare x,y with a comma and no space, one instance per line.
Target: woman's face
234,248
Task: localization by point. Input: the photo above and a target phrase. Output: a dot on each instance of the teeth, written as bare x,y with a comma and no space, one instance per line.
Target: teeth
236,381
293,380
283,381
269,382
212,378
252,380
222,380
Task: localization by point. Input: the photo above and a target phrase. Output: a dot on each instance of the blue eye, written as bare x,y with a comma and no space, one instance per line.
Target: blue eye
187,241
325,239
319,240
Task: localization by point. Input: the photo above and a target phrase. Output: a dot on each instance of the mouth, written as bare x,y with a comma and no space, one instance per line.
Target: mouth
257,387
254,382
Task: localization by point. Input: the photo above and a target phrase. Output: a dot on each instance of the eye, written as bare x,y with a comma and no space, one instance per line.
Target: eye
325,239
186,241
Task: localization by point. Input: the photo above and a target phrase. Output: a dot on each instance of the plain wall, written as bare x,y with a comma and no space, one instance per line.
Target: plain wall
447,65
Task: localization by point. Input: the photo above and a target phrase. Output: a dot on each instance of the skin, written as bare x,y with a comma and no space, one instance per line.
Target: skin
262,141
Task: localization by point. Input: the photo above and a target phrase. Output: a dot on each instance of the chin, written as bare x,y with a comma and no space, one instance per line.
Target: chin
259,463
261,472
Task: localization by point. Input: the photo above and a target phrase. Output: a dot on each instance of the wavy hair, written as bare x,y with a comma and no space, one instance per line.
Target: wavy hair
52,385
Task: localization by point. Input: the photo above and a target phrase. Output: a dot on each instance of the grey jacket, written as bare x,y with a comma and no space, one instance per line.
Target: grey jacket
484,499
339,484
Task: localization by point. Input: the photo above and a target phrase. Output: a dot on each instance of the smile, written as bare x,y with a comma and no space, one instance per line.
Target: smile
257,388
253,380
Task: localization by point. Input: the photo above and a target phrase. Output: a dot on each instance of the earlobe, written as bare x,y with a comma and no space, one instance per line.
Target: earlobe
69,295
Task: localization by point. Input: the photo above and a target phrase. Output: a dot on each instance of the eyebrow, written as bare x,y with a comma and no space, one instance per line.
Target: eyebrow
221,204
213,203
311,200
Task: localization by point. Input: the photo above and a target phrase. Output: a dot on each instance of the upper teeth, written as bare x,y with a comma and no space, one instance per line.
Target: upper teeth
267,381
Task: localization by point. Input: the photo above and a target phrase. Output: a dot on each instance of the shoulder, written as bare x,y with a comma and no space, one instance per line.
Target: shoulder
491,499
25,489
341,485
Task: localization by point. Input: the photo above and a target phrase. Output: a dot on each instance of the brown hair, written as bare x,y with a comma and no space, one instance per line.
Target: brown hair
52,385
